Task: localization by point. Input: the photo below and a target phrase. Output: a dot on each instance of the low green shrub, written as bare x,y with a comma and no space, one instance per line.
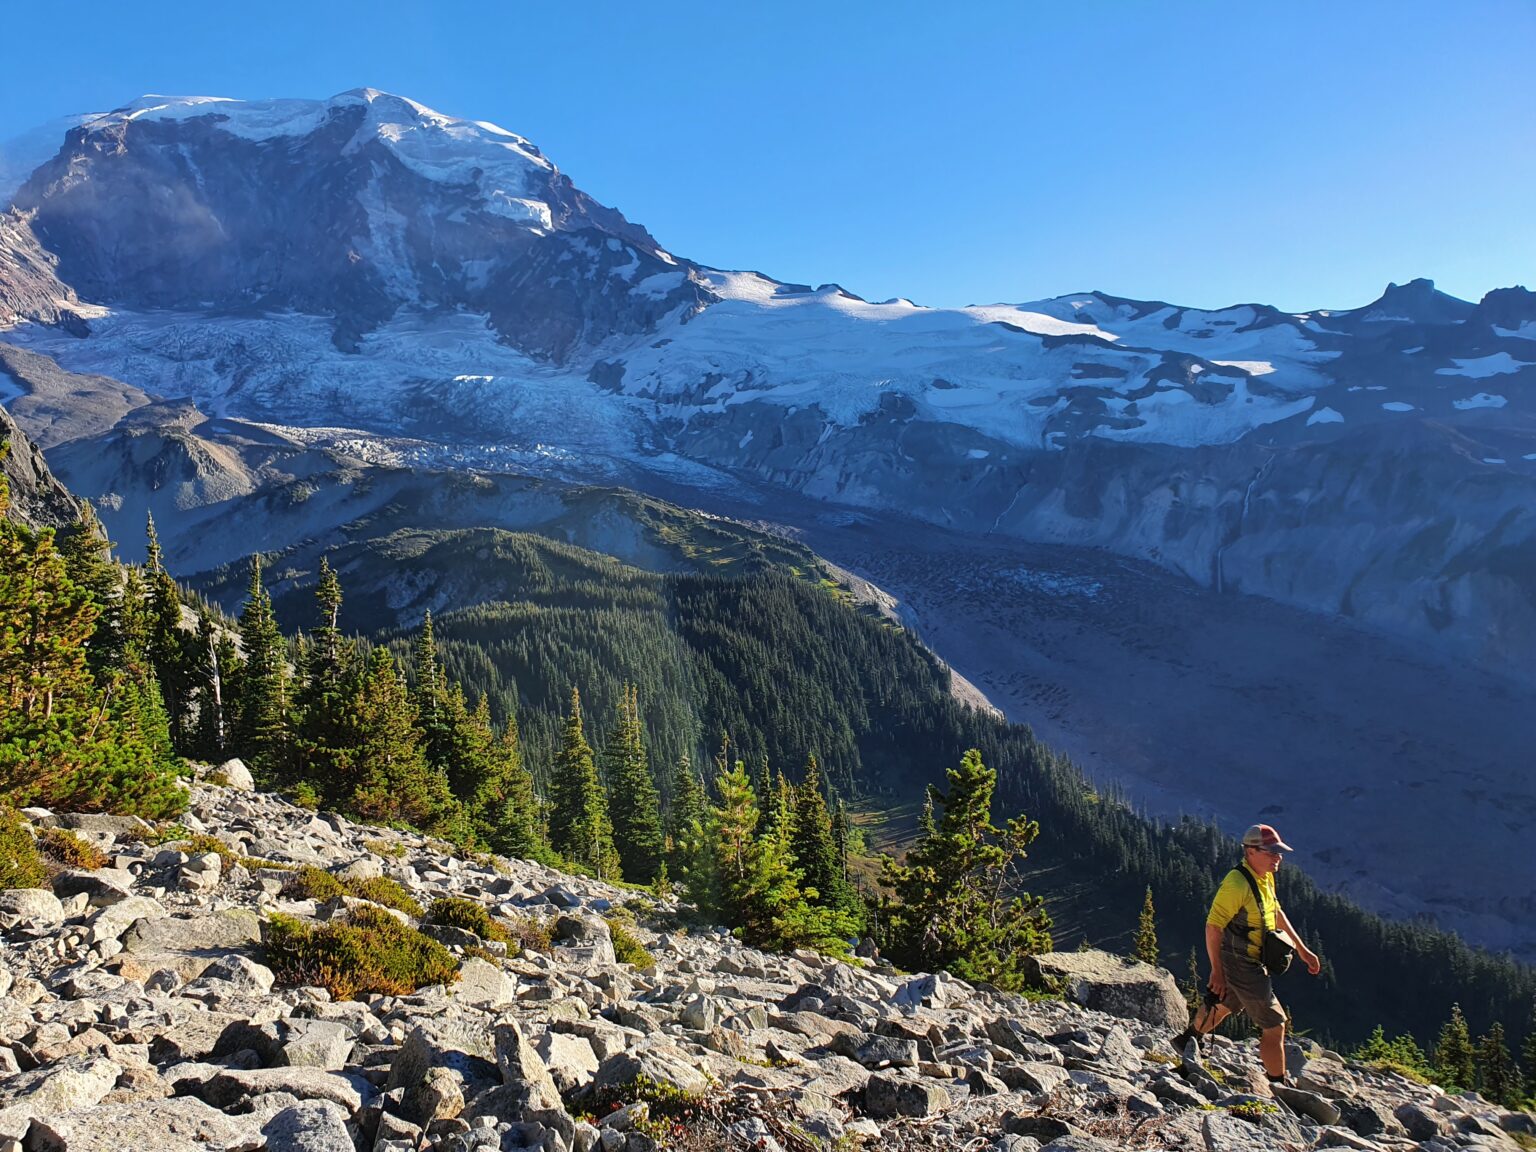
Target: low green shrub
453,912
531,934
202,844
369,951
380,847
63,846
383,890
627,948
20,864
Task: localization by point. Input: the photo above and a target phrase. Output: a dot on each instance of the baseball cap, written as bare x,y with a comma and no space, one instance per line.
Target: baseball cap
1263,836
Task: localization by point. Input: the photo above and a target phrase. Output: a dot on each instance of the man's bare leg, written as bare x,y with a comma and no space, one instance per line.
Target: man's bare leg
1272,1051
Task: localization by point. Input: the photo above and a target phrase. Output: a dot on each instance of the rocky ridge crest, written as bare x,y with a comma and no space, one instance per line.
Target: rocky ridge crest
138,1013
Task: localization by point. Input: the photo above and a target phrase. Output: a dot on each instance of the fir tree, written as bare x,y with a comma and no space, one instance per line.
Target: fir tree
1454,1054
1497,1078
815,846
165,645
506,811
261,734
636,809
429,695
65,741
326,736
953,906
391,779
1528,1059
579,825
689,853
1146,932
213,657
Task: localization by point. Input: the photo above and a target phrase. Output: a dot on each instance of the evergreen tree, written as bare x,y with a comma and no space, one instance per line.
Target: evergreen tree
815,846
506,811
952,906
65,741
1497,1078
1193,983
429,694
165,646
1454,1054
579,825
213,657
636,809
1528,1059
690,855
391,779
326,736
1146,933
261,732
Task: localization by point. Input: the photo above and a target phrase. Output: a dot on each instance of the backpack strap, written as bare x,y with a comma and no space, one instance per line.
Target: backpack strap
1258,898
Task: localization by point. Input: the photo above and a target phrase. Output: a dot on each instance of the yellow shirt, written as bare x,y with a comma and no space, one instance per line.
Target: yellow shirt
1236,913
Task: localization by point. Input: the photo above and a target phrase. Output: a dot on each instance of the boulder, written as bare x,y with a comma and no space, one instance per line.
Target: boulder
179,1124
233,974
187,944
587,937
1114,985
464,1050
33,908
315,1044
520,1063
309,1126
660,1063
887,1096
66,1086
571,1061
229,1088
102,887
484,985
236,774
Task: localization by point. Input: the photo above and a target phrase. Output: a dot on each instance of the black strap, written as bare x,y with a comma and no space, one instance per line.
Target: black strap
1258,898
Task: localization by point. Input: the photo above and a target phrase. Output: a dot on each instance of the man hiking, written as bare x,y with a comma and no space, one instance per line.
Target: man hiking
1243,913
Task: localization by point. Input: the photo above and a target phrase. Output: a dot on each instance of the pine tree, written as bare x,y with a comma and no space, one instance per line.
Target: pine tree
213,657
1146,932
166,647
815,848
65,741
506,811
579,825
391,779
636,809
1497,1078
759,887
1454,1055
261,733
326,737
952,906
1528,1059
690,855
429,694
1192,983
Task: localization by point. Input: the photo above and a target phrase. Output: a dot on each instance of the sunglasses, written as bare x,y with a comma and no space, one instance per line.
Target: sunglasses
1266,851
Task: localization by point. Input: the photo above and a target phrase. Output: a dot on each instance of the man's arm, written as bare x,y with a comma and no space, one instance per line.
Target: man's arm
1213,950
1308,957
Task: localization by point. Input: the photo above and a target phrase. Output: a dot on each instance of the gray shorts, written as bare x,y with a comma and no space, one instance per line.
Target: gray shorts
1250,990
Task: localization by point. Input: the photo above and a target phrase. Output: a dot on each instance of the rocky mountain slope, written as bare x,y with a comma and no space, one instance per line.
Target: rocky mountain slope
367,263
139,1012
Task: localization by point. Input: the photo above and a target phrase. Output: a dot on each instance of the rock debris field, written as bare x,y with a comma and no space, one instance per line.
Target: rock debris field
139,1013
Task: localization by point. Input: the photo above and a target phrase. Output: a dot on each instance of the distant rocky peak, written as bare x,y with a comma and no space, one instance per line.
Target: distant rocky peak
1416,302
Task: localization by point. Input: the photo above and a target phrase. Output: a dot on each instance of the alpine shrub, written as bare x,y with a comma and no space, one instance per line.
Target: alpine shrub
370,951
20,865
453,912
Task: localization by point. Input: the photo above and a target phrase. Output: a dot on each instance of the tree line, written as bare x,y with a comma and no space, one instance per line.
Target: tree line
467,726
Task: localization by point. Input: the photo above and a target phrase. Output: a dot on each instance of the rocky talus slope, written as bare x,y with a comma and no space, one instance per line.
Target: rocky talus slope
138,1013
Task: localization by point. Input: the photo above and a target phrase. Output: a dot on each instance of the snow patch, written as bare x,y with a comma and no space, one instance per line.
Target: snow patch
1252,367
1481,400
1498,364
977,454
1397,406
1324,416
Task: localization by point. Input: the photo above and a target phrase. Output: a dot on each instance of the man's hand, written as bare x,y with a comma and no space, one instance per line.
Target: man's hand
1218,984
1309,958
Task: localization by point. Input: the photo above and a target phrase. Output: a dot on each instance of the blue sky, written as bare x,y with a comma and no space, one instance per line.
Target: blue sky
1205,153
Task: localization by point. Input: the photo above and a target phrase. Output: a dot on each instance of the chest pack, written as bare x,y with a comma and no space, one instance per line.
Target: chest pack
1275,951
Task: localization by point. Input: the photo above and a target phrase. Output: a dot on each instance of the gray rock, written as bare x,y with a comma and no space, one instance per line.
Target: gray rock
233,973
178,1124
34,908
589,937
457,1046
663,1065
228,1088
485,985
1224,1133
886,1052
310,1126
237,774
933,991
1043,1128
66,1086
100,888
1114,985
887,1096
1034,1076
115,919
1309,1104
1008,1142
571,1060
1421,1123
519,1063
315,1044
1367,1118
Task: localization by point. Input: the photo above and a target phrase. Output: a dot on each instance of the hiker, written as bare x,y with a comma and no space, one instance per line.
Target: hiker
1243,961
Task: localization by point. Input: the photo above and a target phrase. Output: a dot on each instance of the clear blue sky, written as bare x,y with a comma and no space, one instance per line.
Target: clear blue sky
1302,154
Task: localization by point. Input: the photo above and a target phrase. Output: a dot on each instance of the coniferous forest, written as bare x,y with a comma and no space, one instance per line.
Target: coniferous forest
706,731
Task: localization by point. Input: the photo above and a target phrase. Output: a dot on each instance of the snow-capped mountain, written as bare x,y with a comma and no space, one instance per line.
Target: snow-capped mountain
365,269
